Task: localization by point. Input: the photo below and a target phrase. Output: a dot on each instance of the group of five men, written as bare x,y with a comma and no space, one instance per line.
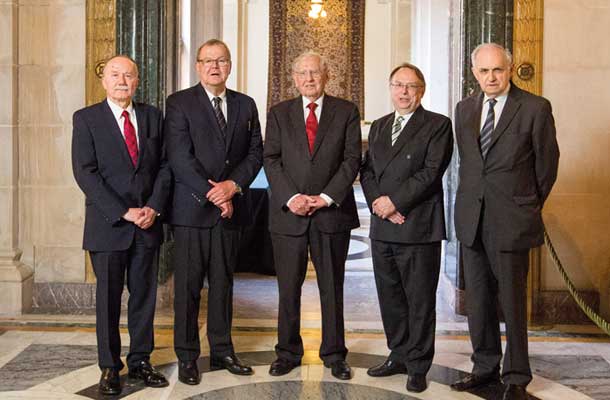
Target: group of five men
193,169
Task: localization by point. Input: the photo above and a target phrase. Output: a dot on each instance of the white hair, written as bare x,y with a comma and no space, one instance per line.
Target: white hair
507,55
310,53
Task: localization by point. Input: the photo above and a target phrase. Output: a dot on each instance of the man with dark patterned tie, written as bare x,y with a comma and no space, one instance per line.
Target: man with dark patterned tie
508,165
312,156
215,150
118,162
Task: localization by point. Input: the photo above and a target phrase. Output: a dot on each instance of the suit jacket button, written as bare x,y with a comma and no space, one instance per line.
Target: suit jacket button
227,162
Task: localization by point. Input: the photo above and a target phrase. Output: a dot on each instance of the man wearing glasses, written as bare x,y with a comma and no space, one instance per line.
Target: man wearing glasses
401,176
214,148
312,156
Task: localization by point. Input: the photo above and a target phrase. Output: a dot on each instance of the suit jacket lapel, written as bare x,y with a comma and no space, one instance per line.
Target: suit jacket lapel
232,116
508,113
206,106
382,144
297,119
142,127
472,123
111,125
326,119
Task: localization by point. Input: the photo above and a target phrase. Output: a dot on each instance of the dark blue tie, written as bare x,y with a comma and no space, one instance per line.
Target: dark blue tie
488,128
222,123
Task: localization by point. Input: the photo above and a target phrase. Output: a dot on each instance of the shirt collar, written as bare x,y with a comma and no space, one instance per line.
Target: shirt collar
405,117
117,110
223,95
318,101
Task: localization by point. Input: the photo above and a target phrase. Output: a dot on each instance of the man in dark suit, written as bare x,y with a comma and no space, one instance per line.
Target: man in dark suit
311,169
118,162
215,151
508,165
401,176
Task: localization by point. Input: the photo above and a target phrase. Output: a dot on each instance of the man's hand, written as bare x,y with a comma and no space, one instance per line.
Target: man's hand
383,207
147,217
315,203
226,209
221,192
132,214
397,218
300,205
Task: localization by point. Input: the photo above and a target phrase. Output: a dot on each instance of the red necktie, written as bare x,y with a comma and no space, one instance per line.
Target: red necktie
311,125
130,138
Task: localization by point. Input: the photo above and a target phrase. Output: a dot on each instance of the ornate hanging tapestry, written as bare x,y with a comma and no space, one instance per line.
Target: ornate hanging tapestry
339,37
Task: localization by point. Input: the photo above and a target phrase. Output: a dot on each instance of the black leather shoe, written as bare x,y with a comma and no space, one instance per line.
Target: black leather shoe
340,369
188,372
471,381
230,363
110,383
387,368
149,375
416,383
514,392
282,366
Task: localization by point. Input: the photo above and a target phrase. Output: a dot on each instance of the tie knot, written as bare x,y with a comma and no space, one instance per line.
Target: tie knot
400,119
125,114
492,102
312,106
217,101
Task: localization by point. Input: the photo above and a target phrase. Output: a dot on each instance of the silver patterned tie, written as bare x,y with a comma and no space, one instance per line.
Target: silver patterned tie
219,115
488,128
396,128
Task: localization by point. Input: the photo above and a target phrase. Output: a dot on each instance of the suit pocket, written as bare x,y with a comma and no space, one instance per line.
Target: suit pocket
526,200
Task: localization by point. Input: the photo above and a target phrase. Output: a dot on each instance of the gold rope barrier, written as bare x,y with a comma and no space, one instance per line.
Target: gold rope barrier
593,316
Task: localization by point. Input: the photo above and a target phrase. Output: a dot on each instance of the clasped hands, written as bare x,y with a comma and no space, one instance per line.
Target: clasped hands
221,195
303,204
142,217
385,209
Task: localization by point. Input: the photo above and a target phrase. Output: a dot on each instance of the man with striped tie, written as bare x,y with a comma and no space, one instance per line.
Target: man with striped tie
508,165
401,176
215,150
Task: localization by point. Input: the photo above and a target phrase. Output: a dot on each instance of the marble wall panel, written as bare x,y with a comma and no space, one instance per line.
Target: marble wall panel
8,74
33,34
7,23
45,156
67,91
59,264
8,174
51,216
66,22
36,103
576,69
6,216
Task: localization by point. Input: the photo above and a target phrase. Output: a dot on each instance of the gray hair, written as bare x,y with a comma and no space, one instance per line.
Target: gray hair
507,55
125,56
310,53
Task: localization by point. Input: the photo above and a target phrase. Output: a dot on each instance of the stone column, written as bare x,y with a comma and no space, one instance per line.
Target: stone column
16,278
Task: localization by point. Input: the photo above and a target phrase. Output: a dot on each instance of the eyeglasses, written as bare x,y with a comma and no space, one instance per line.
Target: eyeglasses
303,74
411,87
208,62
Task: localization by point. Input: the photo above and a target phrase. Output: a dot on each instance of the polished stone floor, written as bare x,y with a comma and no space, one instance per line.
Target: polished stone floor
53,356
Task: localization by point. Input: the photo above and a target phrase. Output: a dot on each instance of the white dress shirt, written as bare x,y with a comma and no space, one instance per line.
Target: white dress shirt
117,111
223,103
405,119
501,101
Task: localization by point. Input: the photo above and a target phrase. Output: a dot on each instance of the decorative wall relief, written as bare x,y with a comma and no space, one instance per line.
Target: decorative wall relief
101,45
339,37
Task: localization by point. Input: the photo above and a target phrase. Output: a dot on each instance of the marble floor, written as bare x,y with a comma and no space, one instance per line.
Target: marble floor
53,356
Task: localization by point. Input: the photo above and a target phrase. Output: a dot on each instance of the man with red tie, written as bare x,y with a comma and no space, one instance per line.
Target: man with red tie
117,160
311,158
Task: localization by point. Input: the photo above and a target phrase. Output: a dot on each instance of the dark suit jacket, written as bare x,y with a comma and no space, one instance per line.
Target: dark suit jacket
331,169
411,174
198,151
105,173
515,178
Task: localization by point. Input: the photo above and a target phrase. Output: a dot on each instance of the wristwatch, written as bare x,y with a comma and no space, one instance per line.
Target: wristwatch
237,188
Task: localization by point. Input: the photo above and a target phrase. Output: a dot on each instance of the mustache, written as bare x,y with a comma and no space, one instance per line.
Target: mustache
121,87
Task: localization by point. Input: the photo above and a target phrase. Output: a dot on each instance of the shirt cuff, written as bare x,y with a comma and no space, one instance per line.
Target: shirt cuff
327,199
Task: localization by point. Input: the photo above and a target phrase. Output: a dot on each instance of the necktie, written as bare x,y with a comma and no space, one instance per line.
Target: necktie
130,138
222,123
396,128
311,126
488,128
